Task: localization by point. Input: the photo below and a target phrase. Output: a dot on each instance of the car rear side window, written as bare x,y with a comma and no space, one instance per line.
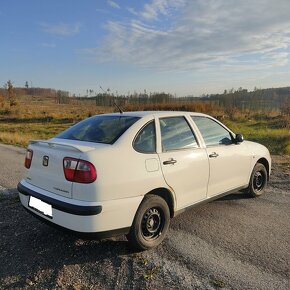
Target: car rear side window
212,132
145,141
99,129
176,134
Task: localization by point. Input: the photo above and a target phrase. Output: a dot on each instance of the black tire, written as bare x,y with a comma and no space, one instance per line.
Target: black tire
150,224
258,181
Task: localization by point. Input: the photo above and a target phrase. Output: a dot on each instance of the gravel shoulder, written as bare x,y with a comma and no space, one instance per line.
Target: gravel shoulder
232,243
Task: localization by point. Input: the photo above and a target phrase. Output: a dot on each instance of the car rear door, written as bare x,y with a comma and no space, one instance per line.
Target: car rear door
184,163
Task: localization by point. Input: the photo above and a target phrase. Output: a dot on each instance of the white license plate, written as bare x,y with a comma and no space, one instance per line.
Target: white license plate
40,206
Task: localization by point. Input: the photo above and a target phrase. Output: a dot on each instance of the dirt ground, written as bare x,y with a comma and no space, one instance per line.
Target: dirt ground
232,243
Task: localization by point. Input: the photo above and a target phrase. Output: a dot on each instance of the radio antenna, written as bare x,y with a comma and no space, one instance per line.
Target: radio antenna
115,104
118,107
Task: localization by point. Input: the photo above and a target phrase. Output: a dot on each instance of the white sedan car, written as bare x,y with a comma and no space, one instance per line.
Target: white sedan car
129,173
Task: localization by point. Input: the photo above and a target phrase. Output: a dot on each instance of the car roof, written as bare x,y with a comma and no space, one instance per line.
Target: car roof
155,113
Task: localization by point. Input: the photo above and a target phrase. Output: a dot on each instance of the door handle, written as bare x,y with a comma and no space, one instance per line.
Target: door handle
213,155
170,161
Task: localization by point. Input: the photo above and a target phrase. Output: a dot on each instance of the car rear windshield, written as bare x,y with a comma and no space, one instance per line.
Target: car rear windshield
99,129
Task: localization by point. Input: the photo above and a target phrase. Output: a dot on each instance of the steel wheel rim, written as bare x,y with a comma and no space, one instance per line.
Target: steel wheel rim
259,181
152,223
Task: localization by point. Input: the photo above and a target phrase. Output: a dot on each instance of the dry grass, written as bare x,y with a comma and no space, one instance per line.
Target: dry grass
42,118
32,107
202,107
15,138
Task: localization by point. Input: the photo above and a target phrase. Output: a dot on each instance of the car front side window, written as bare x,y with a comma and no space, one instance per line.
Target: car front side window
212,132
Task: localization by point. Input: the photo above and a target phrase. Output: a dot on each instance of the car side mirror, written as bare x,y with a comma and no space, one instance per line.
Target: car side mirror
239,138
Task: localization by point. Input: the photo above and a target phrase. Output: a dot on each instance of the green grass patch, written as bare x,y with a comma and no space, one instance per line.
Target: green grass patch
273,133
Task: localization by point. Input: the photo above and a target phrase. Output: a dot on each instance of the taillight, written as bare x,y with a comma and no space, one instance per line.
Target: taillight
28,158
77,170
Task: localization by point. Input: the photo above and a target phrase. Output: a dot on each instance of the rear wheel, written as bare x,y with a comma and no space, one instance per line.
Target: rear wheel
150,223
258,181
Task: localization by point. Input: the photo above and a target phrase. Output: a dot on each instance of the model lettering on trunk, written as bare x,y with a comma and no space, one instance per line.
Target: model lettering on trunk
59,189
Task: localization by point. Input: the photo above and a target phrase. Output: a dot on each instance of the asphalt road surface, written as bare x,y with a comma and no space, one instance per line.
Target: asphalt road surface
232,243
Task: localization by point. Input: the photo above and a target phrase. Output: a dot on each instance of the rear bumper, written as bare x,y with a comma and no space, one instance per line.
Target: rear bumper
61,205
87,235
100,219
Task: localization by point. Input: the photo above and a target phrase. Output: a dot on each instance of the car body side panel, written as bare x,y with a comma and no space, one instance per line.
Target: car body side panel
121,173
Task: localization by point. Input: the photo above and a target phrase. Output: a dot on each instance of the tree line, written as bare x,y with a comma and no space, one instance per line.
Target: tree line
230,100
9,92
240,99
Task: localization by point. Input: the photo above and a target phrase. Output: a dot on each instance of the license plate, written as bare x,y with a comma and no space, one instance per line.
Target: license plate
40,206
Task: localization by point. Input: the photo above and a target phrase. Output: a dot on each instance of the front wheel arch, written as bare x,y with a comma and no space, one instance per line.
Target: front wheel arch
265,162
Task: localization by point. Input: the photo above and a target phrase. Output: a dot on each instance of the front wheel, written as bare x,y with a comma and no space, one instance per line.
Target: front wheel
150,224
258,181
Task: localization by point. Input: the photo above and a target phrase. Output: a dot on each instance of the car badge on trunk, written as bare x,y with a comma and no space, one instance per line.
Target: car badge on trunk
45,160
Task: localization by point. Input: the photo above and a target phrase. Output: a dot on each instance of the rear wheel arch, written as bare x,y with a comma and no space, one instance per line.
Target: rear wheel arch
167,195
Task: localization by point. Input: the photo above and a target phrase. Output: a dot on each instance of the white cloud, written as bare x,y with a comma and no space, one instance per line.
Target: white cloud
48,45
152,10
202,34
113,4
132,11
62,29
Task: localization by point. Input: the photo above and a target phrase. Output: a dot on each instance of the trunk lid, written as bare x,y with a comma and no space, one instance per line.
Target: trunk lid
46,170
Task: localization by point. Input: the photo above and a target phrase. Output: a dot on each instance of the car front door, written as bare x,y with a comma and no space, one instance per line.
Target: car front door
229,162
184,163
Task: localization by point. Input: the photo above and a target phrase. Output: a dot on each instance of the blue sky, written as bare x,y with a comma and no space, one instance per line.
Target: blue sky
184,47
